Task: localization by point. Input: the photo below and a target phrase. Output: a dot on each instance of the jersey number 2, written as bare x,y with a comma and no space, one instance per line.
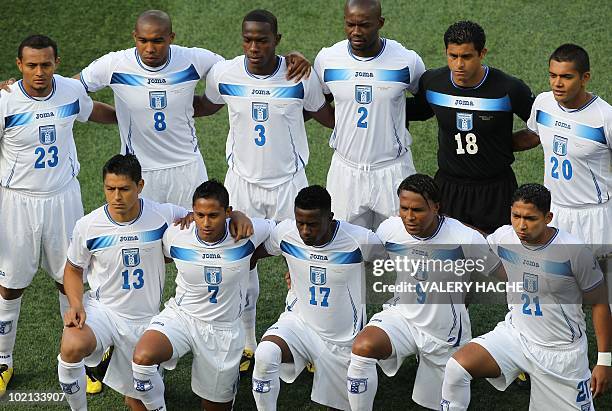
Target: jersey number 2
361,121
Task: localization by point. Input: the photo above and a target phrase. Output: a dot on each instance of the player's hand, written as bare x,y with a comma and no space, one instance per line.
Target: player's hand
298,67
240,226
186,221
288,280
4,85
75,317
601,379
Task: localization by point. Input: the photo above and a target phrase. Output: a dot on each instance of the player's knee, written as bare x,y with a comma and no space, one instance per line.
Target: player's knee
268,357
144,355
11,293
133,404
363,346
75,346
455,374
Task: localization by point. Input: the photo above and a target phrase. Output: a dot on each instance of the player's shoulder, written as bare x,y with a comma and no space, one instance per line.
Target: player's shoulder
95,216
389,225
543,99
503,235
458,228
284,227
398,49
123,55
163,210
194,52
440,74
566,238
227,66
605,108
68,84
358,233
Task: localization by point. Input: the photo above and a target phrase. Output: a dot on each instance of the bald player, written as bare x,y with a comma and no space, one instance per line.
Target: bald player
367,77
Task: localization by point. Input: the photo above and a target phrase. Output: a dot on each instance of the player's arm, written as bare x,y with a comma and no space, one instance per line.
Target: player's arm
601,378
73,286
4,85
325,115
204,107
241,226
260,252
298,67
524,140
103,113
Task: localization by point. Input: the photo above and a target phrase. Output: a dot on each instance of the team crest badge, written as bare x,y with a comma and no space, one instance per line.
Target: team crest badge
560,145
363,94
465,121
444,405
585,407
357,385
131,257
318,275
420,274
261,386
259,112
530,282
157,100
70,388
6,327
142,385
212,275
46,134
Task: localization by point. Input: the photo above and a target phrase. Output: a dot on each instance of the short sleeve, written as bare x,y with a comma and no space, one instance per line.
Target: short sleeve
212,86
262,227
167,241
85,105
79,254
172,212
313,93
586,269
320,70
372,248
479,252
608,127
415,75
532,123
272,244
521,99
98,74
493,241
204,60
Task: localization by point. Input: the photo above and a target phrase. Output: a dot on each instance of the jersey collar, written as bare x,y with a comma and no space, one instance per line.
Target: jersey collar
153,69
440,223
22,88
541,247
575,110
382,49
197,236
332,238
477,85
128,222
279,61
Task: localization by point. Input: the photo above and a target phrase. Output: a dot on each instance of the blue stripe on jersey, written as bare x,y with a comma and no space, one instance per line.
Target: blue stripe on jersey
185,254
238,253
337,257
579,130
189,74
106,241
237,90
22,119
398,76
231,254
469,103
550,267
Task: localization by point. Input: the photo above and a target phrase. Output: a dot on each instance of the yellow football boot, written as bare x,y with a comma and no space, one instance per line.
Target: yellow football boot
6,374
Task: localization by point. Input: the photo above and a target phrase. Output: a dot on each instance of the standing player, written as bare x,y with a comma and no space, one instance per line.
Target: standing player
430,326
575,128
544,334
367,77
474,105
203,317
326,261
40,197
267,147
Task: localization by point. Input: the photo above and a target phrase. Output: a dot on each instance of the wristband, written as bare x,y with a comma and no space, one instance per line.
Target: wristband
604,358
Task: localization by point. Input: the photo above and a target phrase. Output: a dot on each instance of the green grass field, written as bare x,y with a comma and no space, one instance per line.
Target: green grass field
521,35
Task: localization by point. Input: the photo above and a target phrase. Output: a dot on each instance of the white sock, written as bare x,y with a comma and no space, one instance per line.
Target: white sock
266,381
149,385
456,387
73,382
249,314
9,315
64,305
362,382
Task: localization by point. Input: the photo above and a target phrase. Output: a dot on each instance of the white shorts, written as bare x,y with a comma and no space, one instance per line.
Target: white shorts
587,223
274,203
36,229
366,196
176,184
330,361
112,329
407,340
560,378
216,349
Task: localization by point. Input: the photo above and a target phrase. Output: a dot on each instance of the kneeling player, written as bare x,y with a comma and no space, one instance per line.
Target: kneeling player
544,334
204,315
326,264
428,325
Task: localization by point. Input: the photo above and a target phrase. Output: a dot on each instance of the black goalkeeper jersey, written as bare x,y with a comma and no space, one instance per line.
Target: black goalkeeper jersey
474,124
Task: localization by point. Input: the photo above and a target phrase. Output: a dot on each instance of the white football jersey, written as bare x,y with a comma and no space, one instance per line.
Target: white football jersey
213,278
328,281
124,263
267,143
548,312
577,149
369,98
440,317
154,104
37,150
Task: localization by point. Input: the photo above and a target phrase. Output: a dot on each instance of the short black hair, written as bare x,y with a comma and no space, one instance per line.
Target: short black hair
37,41
421,184
572,53
535,194
263,16
213,190
123,165
464,32
313,198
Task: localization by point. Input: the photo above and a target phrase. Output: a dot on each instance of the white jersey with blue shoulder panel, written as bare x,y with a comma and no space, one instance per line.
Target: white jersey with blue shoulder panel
154,104
369,99
452,241
37,150
124,263
554,277
267,142
577,149
328,281
213,278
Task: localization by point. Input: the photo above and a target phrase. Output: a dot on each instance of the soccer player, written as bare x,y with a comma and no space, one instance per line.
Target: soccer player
544,333
204,315
326,263
474,105
267,147
430,325
575,129
40,197
367,77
